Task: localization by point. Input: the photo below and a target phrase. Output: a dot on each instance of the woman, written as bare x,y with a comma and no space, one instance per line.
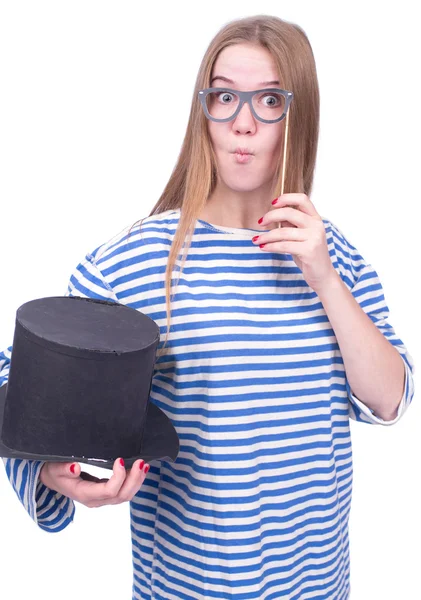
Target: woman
251,366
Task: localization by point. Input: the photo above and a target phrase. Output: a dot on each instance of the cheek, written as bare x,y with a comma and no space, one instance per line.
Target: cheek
219,136
275,139
213,131
276,146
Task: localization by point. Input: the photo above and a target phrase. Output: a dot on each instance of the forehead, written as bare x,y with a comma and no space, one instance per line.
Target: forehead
245,65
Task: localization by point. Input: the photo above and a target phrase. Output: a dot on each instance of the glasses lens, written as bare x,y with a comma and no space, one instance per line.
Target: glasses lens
268,105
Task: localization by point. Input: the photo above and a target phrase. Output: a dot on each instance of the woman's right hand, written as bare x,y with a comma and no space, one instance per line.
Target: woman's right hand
91,491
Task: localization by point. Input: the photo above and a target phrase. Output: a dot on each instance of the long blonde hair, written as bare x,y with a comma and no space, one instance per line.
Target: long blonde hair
195,175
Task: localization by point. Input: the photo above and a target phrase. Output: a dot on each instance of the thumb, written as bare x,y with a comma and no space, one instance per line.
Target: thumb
70,469
51,470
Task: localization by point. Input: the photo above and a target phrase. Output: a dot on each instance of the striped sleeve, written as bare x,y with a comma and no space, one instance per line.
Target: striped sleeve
364,283
5,364
88,281
51,510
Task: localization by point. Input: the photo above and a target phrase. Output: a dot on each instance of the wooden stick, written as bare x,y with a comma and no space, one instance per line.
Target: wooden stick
284,159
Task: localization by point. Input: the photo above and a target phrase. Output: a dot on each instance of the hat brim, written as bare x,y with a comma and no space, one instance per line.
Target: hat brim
160,442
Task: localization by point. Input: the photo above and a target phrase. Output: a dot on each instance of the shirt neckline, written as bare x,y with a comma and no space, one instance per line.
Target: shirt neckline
234,230
244,231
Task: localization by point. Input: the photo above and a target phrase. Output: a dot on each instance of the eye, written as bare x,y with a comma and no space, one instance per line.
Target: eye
276,100
224,96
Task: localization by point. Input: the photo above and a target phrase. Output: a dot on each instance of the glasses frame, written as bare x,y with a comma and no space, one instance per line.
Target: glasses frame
245,97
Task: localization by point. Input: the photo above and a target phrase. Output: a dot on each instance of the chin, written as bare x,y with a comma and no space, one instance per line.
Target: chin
242,184
241,180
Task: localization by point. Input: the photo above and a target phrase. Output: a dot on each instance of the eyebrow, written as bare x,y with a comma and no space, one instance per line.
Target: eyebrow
274,82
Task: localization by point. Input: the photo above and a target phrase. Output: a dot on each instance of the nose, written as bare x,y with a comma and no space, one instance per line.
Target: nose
245,118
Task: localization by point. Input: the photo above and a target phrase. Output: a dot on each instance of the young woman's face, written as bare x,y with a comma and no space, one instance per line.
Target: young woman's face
249,68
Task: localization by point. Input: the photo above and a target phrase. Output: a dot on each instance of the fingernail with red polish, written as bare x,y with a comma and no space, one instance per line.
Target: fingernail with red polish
142,462
72,468
146,469
275,201
122,462
260,220
256,237
262,245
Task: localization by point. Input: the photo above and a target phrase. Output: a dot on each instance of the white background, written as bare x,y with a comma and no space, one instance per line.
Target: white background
88,141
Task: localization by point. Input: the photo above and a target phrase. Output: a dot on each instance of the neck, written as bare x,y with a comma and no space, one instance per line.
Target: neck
241,209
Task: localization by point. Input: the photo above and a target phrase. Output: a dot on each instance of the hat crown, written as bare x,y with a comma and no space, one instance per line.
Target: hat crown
80,377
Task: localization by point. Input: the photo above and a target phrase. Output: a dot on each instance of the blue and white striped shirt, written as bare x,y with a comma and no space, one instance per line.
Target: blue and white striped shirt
256,505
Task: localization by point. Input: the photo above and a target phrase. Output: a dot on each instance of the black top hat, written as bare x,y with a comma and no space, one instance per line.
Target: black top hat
79,382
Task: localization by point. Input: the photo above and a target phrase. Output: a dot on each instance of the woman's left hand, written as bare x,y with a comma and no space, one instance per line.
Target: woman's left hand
306,242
